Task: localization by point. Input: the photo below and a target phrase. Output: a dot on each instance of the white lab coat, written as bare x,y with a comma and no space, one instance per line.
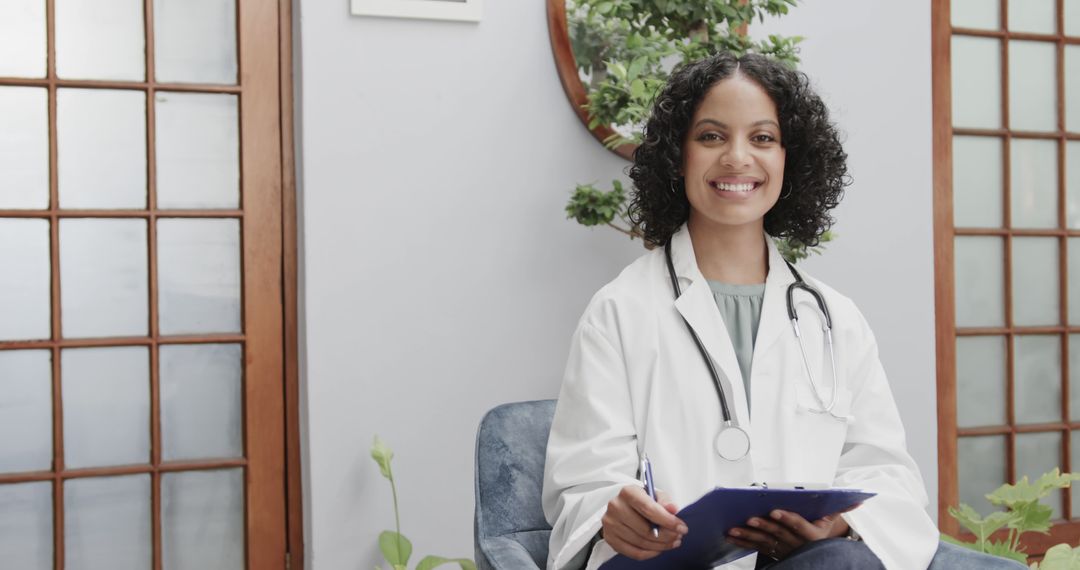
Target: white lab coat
636,382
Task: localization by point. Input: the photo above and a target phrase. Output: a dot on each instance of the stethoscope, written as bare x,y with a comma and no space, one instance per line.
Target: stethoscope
733,443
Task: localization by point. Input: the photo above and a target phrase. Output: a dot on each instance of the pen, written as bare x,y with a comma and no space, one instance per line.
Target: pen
650,487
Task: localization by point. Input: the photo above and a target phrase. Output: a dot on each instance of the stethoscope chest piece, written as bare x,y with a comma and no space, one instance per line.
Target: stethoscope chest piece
732,443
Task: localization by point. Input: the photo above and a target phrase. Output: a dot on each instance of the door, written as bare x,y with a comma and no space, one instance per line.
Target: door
142,330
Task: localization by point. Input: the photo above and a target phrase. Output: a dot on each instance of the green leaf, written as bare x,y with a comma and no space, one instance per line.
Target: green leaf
636,67
970,519
1061,557
1023,491
430,562
1032,517
637,88
1004,550
395,548
382,455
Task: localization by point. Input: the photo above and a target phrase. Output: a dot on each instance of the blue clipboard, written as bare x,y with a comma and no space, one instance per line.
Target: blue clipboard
711,517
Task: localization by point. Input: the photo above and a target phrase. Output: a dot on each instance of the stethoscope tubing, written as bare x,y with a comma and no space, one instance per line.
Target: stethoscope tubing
799,284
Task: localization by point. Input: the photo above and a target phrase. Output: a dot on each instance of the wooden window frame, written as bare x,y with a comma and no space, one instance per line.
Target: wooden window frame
1067,530
273,516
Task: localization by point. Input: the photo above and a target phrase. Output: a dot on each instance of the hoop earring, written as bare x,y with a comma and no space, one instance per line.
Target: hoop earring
674,191
789,187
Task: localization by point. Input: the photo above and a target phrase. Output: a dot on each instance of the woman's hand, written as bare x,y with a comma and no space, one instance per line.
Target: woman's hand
785,531
629,519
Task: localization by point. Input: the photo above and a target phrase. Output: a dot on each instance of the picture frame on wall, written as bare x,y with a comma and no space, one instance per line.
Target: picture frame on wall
460,10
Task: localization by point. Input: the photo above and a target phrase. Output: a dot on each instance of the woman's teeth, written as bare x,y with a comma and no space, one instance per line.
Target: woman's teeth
734,187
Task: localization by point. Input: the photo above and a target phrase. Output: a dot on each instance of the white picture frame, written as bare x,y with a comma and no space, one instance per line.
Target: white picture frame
460,10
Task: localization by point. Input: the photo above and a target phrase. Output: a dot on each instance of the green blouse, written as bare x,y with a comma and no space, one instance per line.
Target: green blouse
740,307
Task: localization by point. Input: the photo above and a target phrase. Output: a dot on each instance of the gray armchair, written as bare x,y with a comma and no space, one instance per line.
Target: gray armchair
509,527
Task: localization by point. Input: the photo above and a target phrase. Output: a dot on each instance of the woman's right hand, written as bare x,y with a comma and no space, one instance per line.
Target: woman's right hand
629,519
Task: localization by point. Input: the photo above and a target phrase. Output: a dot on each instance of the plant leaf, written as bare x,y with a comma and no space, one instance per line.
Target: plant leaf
1004,550
1024,491
430,562
1061,557
388,544
382,455
970,519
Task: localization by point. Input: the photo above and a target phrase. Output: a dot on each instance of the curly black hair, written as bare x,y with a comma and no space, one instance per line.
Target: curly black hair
815,171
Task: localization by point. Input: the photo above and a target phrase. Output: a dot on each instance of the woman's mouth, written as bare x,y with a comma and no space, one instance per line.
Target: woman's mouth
735,186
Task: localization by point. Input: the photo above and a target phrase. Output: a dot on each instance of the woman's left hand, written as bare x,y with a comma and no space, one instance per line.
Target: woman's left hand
784,531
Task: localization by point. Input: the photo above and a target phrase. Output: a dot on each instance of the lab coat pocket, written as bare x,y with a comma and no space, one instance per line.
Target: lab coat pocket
822,434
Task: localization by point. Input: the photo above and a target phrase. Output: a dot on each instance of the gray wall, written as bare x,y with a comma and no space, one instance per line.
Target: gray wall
439,277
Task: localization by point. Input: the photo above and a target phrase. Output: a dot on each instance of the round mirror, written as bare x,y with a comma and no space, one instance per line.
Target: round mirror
613,56
570,74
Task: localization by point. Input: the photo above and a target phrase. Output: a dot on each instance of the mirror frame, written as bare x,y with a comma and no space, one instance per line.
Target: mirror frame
571,81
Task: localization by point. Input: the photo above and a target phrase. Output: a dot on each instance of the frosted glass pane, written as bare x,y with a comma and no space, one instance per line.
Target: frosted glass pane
195,41
199,276
1037,453
201,401
977,182
101,148
1072,87
976,82
1032,86
100,40
1072,183
980,381
983,14
198,150
25,409
202,520
1074,388
107,523
103,277
24,144
26,526
1037,16
1036,299
1072,17
1074,286
1034,183
24,291
1037,380
980,283
22,39
1075,457
980,469
106,406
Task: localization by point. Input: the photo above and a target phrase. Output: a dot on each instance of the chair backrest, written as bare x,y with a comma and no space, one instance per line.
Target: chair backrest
510,449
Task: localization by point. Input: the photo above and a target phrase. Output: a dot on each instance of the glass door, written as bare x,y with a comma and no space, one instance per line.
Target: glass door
141,311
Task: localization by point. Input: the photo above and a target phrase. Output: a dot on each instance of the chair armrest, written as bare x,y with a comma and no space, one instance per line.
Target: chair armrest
504,553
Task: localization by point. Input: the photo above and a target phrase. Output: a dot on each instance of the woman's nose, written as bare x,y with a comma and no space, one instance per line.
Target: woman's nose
736,155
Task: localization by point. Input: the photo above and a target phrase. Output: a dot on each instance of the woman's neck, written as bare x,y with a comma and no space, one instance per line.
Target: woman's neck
736,255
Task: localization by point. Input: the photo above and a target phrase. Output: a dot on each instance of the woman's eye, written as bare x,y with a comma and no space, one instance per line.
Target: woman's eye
709,137
763,138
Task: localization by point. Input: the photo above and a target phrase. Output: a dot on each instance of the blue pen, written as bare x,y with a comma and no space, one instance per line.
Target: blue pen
650,487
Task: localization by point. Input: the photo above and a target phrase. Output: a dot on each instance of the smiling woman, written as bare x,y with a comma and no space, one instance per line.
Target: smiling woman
738,150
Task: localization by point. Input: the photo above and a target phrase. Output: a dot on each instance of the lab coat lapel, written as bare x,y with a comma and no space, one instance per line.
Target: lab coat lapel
774,317
698,306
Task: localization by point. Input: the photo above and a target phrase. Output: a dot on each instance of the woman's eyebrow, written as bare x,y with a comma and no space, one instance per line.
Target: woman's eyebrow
721,125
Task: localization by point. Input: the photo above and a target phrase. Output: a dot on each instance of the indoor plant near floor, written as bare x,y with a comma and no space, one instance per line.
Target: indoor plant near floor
394,546
1024,512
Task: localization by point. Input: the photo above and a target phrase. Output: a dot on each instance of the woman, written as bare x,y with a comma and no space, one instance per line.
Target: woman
736,150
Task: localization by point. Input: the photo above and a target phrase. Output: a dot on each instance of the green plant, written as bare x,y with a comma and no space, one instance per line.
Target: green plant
626,49
394,546
1024,512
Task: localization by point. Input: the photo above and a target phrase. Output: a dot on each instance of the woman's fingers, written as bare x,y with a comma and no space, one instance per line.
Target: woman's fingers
778,531
799,526
628,522
652,510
